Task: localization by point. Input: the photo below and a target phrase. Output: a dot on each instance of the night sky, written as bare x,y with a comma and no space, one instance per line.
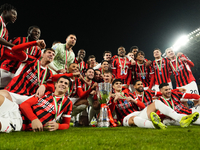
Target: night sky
106,25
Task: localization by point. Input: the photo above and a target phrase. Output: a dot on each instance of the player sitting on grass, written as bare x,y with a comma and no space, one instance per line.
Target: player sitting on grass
38,112
47,110
125,105
173,100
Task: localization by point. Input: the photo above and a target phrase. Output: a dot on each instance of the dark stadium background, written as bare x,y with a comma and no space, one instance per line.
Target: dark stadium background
106,25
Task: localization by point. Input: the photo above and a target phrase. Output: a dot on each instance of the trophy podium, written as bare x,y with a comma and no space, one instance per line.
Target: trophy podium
104,91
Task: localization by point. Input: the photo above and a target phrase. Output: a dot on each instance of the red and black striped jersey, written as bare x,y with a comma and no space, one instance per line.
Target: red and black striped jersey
161,70
26,82
12,65
175,103
182,71
44,109
121,68
146,97
74,87
142,73
82,65
3,34
122,107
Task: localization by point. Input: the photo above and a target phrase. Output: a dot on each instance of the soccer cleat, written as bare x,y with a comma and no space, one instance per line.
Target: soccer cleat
187,120
156,121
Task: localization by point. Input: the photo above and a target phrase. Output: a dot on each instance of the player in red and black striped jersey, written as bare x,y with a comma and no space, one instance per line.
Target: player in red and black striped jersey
46,112
172,99
122,102
161,70
80,61
129,115
8,14
121,67
145,96
34,73
9,67
181,67
141,71
33,35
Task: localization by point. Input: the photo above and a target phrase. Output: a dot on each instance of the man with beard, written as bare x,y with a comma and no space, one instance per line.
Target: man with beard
121,67
173,100
64,55
9,67
126,108
97,76
80,60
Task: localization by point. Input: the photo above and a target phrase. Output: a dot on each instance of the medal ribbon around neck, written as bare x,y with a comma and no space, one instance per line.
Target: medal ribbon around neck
142,71
27,48
44,76
176,70
88,85
65,66
122,68
81,66
168,102
2,33
57,110
142,96
159,66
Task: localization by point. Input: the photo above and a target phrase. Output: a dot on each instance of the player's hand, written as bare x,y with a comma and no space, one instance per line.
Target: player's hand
61,71
130,99
76,74
40,91
179,54
117,97
51,126
182,90
126,86
148,63
94,85
133,62
41,44
183,59
36,125
93,92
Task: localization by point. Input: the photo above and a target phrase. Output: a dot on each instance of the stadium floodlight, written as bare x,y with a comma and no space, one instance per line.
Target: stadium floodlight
180,42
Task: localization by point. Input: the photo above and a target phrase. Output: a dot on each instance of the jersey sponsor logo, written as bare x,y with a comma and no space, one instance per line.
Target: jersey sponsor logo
46,105
31,77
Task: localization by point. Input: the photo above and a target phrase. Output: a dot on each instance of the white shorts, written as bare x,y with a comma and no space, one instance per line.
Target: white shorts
142,114
5,77
196,109
10,117
74,99
19,98
156,87
190,88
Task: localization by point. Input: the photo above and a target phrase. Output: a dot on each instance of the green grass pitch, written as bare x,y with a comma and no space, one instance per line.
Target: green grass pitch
122,138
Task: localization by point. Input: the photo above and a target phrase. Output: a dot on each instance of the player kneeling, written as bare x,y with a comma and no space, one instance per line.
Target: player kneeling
38,113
